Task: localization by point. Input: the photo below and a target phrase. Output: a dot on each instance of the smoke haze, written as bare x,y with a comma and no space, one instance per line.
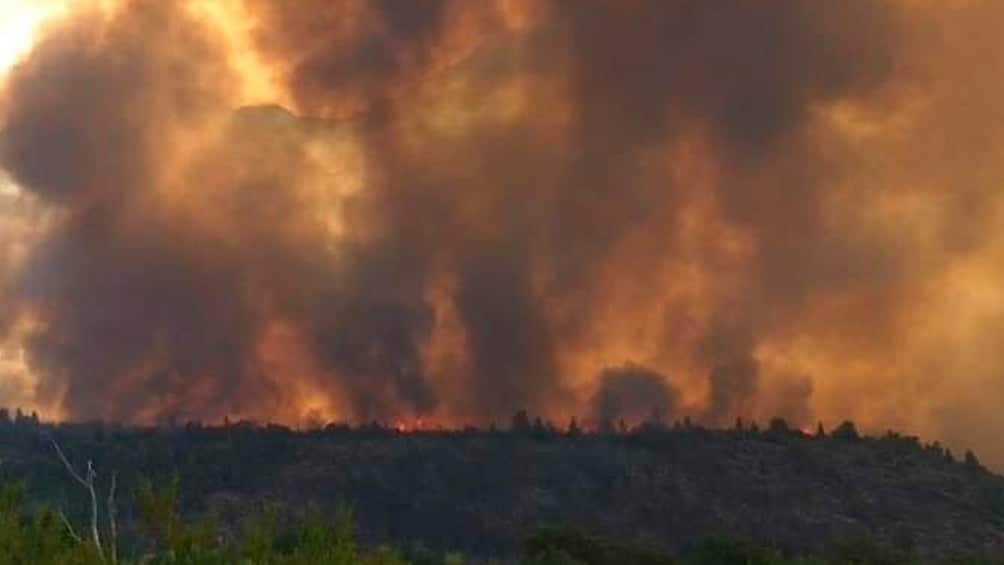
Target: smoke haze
455,209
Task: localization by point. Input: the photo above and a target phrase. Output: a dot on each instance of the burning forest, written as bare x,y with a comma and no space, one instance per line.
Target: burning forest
440,212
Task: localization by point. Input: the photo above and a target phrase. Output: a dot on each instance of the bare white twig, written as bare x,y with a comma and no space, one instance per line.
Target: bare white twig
69,528
95,533
113,531
88,483
66,463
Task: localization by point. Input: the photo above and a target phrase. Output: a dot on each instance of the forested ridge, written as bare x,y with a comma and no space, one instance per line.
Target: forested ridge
658,491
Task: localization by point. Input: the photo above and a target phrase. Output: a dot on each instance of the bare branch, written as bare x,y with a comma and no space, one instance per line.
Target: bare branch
88,483
113,531
66,463
69,528
95,533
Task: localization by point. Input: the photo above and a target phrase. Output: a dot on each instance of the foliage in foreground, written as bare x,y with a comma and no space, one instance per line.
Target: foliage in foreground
46,537
569,546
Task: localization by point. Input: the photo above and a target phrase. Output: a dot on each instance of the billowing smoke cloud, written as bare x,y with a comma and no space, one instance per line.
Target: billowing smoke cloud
633,395
456,209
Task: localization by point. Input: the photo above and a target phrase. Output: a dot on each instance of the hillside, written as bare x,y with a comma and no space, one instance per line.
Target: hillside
482,492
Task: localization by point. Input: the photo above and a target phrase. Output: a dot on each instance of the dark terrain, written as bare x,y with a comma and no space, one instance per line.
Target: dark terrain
483,491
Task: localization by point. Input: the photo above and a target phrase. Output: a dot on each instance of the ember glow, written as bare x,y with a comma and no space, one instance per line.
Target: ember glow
438,212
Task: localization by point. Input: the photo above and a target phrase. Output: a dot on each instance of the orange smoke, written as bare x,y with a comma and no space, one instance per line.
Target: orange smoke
440,212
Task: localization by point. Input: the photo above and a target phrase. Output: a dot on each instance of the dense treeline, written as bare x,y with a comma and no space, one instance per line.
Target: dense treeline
480,492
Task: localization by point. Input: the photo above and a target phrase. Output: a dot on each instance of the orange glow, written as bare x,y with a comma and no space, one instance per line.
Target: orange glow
19,23
317,211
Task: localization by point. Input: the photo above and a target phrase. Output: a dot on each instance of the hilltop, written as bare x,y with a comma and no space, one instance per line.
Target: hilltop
483,491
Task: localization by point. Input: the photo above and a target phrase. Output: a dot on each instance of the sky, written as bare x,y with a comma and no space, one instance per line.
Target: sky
450,210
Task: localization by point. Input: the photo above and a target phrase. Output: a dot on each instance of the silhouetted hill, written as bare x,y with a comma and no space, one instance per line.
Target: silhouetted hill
483,491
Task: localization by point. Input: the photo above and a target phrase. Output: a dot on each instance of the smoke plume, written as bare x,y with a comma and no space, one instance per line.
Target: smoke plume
455,209
633,395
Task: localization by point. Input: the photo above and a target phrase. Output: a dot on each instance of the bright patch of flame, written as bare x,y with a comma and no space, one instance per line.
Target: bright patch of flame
18,385
418,424
19,22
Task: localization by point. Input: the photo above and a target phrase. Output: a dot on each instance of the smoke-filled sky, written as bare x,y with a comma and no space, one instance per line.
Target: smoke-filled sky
454,209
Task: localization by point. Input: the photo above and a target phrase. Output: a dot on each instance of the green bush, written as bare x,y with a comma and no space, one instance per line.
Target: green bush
566,545
40,538
729,551
46,537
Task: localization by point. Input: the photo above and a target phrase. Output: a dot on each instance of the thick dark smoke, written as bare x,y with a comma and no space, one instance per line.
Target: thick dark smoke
167,314
633,395
457,209
735,373
342,55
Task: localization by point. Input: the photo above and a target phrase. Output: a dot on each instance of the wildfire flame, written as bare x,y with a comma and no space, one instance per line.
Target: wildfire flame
332,210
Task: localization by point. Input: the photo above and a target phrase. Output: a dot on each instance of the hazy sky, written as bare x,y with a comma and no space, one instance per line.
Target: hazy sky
453,209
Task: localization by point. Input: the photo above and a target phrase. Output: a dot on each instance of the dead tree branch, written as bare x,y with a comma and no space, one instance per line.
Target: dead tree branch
87,481
69,528
113,531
